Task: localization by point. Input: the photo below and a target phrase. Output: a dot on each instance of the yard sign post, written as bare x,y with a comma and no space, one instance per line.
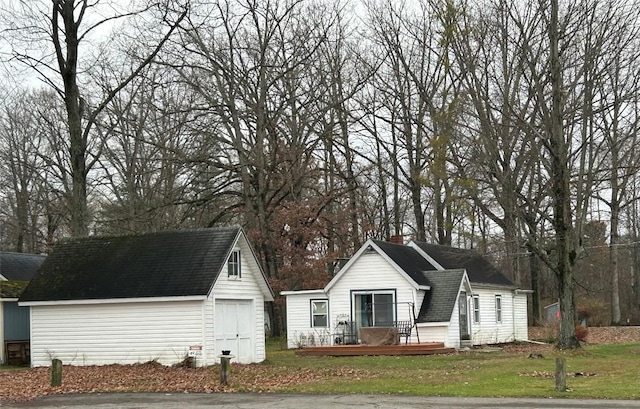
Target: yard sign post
56,372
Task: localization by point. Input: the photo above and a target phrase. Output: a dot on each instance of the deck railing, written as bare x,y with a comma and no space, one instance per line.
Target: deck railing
345,332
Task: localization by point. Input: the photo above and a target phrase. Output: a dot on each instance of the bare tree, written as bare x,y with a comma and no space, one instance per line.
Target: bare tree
66,27
617,89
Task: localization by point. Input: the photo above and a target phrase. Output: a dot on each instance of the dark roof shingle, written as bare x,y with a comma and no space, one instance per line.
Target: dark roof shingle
439,301
479,269
162,264
408,259
19,266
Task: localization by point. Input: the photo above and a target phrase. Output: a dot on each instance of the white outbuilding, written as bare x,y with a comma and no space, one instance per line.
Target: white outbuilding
158,297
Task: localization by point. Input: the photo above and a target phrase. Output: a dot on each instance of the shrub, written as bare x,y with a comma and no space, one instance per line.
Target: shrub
581,333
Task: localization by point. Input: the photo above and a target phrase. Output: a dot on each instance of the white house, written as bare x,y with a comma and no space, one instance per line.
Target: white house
153,297
442,294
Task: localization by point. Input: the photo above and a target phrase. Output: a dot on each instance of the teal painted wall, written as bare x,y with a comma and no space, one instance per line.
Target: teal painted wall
16,322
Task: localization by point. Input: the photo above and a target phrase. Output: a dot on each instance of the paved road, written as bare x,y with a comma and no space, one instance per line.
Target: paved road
284,401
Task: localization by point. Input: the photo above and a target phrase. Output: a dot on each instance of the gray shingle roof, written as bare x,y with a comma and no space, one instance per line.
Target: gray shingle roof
408,259
163,264
479,269
19,266
438,302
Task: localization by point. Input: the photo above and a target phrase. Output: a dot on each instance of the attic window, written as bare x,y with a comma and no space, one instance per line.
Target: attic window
233,265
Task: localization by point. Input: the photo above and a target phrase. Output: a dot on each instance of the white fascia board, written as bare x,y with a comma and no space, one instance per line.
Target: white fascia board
361,250
266,289
424,287
302,292
349,263
397,267
433,324
3,278
467,283
521,291
8,299
486,286
113,301
425,255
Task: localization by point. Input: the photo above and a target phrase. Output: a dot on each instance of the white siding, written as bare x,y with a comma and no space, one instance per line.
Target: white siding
453,335
520,314
100,334
244,288
434,333
299,330
488,331
371,272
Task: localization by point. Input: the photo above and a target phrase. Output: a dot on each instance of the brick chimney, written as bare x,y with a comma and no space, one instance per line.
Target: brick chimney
397,239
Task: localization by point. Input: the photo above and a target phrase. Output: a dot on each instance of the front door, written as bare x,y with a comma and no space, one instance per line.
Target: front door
234,325
464,316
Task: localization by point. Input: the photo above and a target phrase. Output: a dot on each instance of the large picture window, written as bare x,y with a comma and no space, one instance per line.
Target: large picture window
233,265
319,313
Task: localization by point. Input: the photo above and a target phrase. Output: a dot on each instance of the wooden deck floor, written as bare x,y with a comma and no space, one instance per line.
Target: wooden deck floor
427,348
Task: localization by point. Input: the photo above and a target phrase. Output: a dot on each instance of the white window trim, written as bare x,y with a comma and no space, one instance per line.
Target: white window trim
475,303
326,302
373,293
234,267
498,308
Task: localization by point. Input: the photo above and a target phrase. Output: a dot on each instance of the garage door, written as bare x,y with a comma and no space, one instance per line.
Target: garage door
234,326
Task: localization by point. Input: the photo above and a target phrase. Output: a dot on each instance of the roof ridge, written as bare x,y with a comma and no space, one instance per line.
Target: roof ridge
150,233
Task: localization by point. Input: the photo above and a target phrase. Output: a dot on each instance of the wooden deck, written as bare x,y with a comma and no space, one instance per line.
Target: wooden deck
427,348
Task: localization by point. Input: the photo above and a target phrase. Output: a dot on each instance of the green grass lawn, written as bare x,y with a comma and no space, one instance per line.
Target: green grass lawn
608,371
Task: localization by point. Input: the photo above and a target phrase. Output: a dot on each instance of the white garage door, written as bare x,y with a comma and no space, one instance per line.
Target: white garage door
234,326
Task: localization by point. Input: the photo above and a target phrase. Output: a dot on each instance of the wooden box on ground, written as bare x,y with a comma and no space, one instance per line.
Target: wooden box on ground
18,352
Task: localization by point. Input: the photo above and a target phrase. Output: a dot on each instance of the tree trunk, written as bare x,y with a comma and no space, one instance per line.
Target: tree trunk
613,262
560,177
67,58
536,306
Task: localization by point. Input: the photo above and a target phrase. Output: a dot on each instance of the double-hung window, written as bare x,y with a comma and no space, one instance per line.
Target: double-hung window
319,313
476,309
498,308
233,264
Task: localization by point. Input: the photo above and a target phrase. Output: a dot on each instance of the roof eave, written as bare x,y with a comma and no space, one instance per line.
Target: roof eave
269,294
432,323
112,301
301,292
496,286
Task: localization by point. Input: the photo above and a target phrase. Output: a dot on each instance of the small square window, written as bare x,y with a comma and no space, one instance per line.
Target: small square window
319,313
233,265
